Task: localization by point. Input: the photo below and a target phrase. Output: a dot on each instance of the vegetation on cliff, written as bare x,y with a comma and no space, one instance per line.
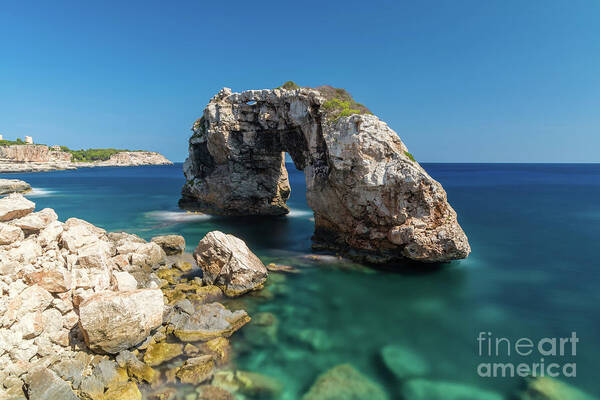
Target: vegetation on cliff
11,142
339,103
90,155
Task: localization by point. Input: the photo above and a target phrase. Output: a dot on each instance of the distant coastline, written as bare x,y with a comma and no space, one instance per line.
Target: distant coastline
24,157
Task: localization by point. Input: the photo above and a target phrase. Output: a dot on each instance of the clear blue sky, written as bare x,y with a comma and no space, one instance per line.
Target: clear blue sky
473,81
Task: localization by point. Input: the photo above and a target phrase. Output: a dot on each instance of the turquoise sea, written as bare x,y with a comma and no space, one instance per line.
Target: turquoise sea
533,273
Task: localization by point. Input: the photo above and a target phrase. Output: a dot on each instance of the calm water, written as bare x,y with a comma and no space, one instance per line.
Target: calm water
533,273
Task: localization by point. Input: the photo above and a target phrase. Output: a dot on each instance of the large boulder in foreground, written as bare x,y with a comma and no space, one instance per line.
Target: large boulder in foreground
228,263
15,206
371,199
115,321
344,382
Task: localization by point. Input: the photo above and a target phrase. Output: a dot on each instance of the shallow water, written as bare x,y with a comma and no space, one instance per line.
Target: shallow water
533,272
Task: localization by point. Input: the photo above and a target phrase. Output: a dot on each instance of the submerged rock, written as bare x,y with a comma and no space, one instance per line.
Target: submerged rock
370,198
423,389
115,321
545,388
251,384
403,362
124,391
211,321
228,263
345,382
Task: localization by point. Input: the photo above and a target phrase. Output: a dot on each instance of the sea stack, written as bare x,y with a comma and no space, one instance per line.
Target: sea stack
371,200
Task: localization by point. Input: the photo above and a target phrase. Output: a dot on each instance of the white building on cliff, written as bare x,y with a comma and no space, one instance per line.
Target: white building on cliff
28,140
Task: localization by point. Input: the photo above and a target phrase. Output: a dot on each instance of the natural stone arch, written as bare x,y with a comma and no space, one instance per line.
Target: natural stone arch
370,199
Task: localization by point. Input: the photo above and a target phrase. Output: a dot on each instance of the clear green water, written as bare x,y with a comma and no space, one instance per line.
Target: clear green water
533,272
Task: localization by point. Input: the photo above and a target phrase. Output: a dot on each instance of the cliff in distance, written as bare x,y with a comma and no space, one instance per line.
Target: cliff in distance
39,158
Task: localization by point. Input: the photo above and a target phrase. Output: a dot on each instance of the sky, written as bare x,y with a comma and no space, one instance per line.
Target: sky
459,81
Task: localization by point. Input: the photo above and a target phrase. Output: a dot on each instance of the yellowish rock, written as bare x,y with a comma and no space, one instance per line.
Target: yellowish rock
196,370
126,391
157,353
219,348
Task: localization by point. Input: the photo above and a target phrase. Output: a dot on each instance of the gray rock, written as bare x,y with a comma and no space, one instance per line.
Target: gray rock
227,262
43,384
370,198
210,321
115,321
171,244
422,389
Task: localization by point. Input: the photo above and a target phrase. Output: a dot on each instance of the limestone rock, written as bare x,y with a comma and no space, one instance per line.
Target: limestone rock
157,353
115,321
10,234
15,206
13,186
422,389
227,263
125,391
53,280
370,198
171,244
344,382
43,384
35,222
124,281
211,321
196,370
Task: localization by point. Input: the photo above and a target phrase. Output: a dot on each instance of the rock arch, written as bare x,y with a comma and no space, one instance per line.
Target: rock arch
370,199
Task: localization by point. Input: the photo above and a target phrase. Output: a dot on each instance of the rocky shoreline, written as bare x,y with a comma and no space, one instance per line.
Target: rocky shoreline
41,158
95,315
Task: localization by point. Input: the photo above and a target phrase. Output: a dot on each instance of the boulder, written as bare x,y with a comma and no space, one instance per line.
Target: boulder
13,186
171,244
402,362
227,263
196,370
158,353
44,384
210,321
345,382
53,280
124,391
546,388
115,321
35,222
370,198
124,281
10,234
423,389
15,206
50,234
